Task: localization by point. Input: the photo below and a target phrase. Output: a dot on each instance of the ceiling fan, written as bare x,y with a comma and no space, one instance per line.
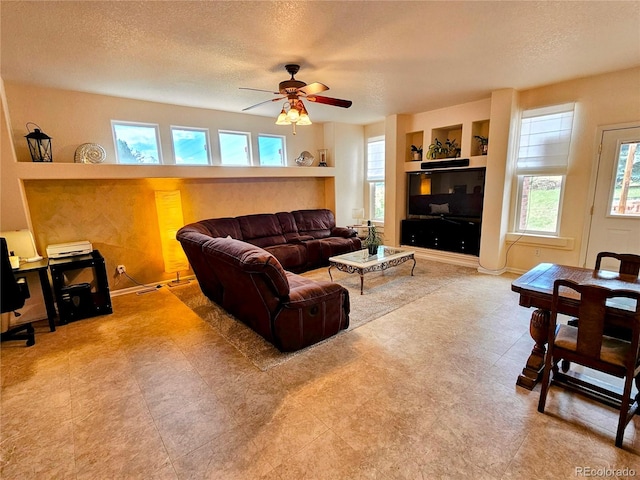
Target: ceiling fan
295,90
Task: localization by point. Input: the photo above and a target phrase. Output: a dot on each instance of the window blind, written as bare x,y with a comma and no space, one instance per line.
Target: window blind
375,161
545,138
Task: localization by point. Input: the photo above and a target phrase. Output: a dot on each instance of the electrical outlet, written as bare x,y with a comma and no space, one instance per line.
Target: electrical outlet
120,269
536,252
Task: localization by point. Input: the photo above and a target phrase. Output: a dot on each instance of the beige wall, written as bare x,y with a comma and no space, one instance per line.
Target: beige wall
607,99
118,216
73,118
600,100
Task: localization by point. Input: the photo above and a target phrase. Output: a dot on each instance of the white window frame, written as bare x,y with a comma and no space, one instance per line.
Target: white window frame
155,126
191,129
373,181
249,153
543,165
283,139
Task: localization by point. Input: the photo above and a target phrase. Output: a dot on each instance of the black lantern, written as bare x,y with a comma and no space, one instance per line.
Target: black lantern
39,144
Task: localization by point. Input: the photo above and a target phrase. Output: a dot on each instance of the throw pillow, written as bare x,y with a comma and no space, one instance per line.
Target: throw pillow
439,208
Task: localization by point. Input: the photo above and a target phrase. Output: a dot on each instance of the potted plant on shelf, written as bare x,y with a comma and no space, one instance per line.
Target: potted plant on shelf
416,152
373,240
453,149
483,143
448,149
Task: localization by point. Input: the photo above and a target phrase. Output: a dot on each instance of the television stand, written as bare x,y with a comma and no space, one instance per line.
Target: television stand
452,234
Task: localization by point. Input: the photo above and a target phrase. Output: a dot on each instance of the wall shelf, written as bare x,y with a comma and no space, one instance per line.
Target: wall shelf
479,128
452,132
414,138
71,171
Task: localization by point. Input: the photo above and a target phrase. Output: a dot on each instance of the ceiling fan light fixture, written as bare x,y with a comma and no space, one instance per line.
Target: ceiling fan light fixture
293,115
304,120
304,116
282,118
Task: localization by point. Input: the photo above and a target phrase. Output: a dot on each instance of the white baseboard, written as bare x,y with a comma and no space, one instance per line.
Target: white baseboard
148,287
445,257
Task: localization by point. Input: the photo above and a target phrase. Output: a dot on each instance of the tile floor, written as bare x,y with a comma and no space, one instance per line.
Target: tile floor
425,392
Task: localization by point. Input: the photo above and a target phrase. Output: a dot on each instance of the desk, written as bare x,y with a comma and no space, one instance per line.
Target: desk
42,267
536,290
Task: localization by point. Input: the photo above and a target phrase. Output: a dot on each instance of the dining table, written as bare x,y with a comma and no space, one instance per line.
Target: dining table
535,289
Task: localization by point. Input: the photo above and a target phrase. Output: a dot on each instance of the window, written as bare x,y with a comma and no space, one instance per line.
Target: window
625,199
375,178
235,148
271,150
191,145
136,143
545,138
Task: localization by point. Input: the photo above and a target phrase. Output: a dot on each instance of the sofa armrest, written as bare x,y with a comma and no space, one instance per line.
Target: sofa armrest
249,259
343,232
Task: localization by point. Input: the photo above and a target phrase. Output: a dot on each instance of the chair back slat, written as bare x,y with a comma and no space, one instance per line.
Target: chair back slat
592,313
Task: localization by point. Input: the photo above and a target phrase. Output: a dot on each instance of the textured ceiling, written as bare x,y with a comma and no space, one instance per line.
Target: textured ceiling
388,57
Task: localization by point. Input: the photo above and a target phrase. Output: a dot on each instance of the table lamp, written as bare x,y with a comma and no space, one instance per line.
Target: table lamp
358,215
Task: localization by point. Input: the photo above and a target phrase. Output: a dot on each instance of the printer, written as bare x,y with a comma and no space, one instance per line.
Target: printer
61,250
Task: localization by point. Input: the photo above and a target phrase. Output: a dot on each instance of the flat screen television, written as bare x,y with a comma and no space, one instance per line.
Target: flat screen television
450,193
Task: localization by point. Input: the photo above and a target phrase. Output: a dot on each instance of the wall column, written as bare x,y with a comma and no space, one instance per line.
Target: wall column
497,196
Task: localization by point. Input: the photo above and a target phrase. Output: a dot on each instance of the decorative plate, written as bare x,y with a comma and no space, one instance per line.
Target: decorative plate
305,159
90,153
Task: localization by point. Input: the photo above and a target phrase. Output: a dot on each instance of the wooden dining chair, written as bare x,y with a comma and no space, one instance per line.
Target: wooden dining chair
629,262
587,345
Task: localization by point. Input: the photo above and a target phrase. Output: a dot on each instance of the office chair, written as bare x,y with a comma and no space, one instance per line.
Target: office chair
13,293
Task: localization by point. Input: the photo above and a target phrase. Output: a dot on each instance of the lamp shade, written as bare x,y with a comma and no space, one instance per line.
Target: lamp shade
282,118
357,213
170,220
39,145
293,115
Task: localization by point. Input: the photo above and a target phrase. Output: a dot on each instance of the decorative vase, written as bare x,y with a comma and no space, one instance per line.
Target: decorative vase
417,156
373,249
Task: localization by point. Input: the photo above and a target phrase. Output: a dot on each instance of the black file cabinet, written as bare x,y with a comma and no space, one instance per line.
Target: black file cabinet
80,286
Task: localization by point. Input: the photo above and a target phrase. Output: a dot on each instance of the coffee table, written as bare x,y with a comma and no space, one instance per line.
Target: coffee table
361,262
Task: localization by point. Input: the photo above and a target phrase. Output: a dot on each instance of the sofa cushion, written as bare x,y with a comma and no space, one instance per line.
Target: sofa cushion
318,223
262,229
292,256
288,226
332,246
220,227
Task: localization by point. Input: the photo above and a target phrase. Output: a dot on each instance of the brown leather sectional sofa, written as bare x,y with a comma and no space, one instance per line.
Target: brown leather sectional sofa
240,264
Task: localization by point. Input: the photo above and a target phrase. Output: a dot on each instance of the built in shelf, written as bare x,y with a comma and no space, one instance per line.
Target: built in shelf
71,171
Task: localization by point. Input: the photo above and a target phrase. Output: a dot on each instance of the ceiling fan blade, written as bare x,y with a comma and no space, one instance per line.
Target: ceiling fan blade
313,88
262,103
336,102
259,90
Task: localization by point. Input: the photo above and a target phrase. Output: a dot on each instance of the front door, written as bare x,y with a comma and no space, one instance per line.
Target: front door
615,220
